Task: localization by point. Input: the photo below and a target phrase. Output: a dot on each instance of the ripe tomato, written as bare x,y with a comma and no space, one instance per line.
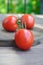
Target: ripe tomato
28,19
9,23
24,39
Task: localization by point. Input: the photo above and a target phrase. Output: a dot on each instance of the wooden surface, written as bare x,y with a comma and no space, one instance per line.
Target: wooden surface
14,56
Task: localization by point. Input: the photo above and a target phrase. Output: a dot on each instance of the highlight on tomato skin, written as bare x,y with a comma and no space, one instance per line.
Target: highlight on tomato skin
24,39
9,23
29,19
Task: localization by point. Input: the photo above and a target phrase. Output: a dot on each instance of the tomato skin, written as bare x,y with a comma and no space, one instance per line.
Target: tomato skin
24,39
9,23
11,29
29,19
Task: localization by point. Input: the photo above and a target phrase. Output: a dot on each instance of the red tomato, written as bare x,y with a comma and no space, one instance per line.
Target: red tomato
28,19
9,23
24,39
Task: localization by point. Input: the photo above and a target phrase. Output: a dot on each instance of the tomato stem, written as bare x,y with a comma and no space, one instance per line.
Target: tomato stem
21,24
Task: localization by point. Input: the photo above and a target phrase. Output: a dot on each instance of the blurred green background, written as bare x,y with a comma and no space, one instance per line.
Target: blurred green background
20,6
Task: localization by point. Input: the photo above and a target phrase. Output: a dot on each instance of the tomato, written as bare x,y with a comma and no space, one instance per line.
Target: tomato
9,23
29,20
24,39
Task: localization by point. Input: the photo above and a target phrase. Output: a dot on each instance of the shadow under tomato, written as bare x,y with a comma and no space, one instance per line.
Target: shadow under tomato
3,30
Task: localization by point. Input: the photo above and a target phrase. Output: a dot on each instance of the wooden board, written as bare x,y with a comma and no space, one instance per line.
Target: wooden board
7,38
